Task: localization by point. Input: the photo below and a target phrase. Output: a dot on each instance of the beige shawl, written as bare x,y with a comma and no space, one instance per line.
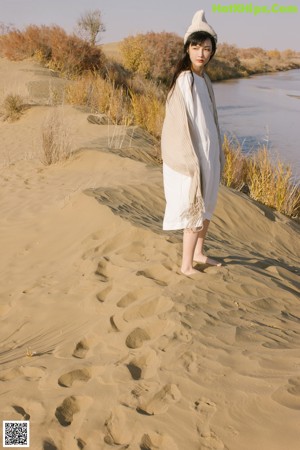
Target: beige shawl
178,151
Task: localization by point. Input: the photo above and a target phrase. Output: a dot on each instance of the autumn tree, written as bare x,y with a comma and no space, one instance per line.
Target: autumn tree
90,25
5,28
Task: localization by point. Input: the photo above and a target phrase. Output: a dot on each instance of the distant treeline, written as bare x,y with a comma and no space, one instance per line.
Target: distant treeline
151,55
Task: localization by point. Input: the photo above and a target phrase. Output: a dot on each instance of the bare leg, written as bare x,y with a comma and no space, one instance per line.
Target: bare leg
190,238
198,253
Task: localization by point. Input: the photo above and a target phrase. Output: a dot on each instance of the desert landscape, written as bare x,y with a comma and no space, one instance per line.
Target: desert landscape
104,344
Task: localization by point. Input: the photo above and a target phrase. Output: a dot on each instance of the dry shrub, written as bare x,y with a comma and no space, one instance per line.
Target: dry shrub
113,101
115,72
101,96
12,107
274,54
288,54
134,55
219,69
56,144
73,56
18,45
148,112
272,184
12,45
37,40
268,182
256,60
79,92
251,52
53,47
152,55
235,170
226,64
120,107
118,103
228,53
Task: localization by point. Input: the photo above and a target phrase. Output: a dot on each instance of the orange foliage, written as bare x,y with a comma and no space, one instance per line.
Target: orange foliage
52,46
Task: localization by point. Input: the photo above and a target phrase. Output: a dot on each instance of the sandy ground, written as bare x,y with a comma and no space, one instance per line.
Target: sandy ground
102,342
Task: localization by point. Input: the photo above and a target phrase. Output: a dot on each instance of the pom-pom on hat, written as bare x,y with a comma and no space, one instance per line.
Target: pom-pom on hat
199,24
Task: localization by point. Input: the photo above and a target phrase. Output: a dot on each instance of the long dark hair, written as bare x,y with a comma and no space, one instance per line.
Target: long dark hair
196,38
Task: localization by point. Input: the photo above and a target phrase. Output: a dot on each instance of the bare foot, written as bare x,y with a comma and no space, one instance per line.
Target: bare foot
189,272
203,259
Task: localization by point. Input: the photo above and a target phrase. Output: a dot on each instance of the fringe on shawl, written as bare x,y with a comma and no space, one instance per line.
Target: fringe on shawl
194,213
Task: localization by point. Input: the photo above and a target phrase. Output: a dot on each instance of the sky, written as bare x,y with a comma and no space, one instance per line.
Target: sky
122,18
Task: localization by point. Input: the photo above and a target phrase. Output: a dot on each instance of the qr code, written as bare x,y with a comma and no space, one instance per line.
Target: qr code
15,433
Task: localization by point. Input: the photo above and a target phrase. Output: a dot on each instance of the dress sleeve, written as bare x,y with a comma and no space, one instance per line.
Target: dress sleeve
185,85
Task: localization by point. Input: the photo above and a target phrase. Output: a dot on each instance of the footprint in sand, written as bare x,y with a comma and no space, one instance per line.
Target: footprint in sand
65,412
27,409
153,441
148,308
189,360
207,438
155,329
160,402
102,296
28,372
158,273
136,338
133,296
91,252
48,444
289,395
102,270
182,334
81,443
118,431
207,410
81,349
142,310
129,298
144,366
78,376
22,412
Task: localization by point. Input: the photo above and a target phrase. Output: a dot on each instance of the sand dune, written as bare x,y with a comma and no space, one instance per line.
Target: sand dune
102,342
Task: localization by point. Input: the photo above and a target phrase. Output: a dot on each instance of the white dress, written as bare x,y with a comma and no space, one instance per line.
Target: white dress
206,144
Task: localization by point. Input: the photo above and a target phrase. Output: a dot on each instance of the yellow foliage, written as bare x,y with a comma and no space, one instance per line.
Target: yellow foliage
148,112
274,54
272,184
134,56
101,96
268,182
235,165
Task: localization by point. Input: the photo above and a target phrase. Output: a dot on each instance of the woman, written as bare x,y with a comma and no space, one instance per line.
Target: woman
191,146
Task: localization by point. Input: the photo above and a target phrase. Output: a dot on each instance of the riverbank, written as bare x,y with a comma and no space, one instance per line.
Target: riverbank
252,175
262,111
103,342
232,62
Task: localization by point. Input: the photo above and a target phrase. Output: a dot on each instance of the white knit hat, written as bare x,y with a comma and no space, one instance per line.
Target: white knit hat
199,24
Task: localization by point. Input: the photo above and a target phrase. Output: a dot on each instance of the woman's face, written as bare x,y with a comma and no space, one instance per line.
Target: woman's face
200,55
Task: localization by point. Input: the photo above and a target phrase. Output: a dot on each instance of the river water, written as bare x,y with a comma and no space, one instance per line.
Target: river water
263,110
